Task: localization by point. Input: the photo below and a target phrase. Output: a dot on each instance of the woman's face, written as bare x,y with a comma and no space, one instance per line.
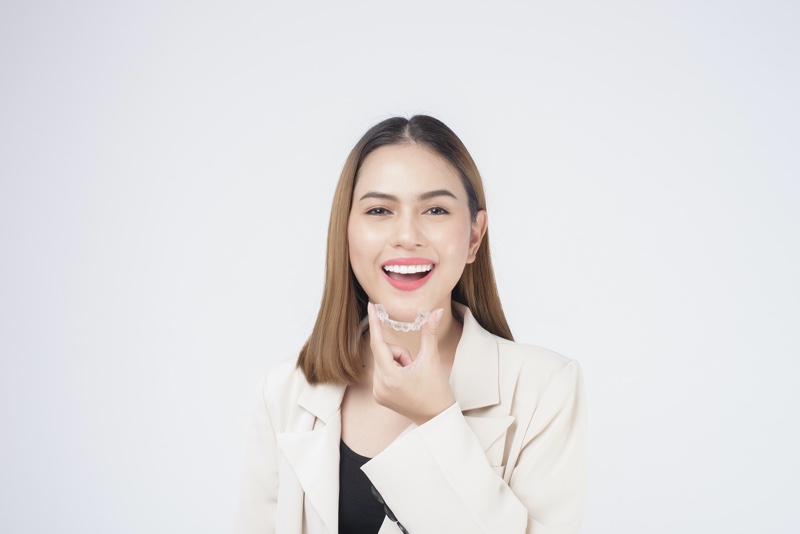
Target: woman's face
410,232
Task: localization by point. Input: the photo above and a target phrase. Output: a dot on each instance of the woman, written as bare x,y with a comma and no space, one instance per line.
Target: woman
449,428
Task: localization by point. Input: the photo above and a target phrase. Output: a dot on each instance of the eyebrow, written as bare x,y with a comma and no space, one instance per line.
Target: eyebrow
424,196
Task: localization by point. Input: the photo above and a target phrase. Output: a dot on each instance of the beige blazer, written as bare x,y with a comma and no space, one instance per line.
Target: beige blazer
508,457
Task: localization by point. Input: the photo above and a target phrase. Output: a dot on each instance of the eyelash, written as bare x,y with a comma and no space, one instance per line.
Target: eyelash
441,209
384,211
374,211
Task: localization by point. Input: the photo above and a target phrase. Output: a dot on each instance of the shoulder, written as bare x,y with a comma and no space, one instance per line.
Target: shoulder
293,403
535,373
284,377
524,369
531,360
282,385
538,377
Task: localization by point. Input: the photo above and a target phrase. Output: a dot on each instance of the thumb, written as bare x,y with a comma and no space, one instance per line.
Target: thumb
429,344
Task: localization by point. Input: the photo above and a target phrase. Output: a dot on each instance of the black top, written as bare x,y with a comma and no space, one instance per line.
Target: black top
359,510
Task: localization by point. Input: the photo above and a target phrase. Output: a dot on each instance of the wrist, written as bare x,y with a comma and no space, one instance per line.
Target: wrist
428,415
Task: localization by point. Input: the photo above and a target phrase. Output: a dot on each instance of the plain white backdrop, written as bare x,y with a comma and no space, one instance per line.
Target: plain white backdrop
166,173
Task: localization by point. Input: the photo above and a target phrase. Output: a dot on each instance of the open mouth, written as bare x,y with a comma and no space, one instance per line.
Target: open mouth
407,277
407,273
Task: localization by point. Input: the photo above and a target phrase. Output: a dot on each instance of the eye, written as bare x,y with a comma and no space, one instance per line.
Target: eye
377,211
437,210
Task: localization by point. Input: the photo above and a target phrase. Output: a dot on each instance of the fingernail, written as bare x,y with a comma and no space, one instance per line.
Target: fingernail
438,315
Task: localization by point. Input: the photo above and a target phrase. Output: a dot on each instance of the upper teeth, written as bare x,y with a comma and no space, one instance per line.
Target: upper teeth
406,269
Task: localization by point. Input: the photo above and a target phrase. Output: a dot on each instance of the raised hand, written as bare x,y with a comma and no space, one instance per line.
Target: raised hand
417,388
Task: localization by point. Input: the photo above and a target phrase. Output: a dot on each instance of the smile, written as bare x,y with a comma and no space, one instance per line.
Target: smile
407,274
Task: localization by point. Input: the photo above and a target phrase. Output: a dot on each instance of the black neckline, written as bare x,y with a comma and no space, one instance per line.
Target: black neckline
353,454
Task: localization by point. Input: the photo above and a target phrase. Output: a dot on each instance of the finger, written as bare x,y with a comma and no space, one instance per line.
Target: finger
382,352
375,331
401,355
429,345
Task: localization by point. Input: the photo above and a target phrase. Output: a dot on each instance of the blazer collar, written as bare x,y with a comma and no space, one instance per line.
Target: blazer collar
474,378
323,400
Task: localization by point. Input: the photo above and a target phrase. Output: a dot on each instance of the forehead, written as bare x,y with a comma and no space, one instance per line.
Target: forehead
407,170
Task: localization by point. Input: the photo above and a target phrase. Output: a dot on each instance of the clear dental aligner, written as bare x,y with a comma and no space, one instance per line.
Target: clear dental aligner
400,326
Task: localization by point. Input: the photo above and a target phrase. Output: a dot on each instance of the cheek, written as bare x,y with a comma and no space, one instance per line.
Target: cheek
458,252
361,247
454,241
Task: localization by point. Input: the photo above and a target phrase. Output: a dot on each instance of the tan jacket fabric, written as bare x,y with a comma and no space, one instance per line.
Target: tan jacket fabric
508,457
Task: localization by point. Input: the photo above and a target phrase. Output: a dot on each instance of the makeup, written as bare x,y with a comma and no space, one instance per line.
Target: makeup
400,326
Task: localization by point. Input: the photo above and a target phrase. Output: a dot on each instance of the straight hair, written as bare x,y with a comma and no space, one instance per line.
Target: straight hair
332,353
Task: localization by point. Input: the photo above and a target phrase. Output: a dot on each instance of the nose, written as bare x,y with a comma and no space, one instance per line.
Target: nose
408,233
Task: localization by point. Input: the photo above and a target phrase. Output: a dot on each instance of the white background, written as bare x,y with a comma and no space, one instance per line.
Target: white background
166,173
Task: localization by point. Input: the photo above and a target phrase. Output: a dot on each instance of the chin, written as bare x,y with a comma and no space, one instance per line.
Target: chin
405,312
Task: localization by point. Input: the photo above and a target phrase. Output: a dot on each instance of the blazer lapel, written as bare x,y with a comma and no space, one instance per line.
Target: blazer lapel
312,449
474,377
475,383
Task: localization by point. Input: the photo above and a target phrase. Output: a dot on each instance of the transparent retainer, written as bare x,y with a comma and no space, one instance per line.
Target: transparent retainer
400,326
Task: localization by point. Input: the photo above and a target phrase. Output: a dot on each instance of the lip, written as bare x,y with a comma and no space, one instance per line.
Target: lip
409,285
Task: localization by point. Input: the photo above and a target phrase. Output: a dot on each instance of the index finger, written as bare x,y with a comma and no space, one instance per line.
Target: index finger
429,345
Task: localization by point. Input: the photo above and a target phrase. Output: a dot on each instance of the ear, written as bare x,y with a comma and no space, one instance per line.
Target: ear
476,234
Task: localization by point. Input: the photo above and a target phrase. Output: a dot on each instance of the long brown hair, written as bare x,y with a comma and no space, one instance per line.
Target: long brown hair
331,354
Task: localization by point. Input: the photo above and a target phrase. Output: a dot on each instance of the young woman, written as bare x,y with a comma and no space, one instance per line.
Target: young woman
381,427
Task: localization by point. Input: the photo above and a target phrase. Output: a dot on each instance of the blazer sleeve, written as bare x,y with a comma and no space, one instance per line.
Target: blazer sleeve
437,478
259,490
